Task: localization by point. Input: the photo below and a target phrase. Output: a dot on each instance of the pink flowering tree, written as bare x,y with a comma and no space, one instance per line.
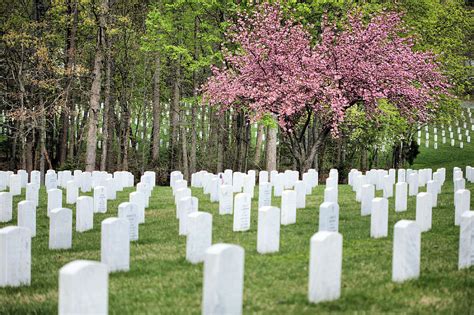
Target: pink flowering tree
275,70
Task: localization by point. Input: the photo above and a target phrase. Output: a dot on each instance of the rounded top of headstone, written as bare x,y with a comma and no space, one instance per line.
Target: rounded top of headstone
219,248
77,266
15,229
325,235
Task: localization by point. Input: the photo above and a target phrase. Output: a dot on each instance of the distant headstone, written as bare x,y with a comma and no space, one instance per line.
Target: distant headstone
367,194
15,185
138,198
401,197
72,192
300,190
264,195
462,201
32,193
424,211
129,211
187,205
100,199
288,207
226,199
387,186
329,216
432,188
27,216
262,177
241,212
55,199
51,181
238,181
84,213
330,195
413,184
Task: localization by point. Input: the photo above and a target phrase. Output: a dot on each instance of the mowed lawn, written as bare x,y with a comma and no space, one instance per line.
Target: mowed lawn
161,281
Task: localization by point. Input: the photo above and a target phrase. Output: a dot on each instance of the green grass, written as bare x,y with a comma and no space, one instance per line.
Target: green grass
161,281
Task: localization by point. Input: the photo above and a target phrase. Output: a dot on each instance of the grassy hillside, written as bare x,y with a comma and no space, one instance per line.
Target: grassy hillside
161,281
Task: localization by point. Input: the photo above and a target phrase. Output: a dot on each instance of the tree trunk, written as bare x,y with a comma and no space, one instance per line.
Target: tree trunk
184,145
271,155
258,145
105,113
220,145
156,111
94,101
42,140
192,162
174,121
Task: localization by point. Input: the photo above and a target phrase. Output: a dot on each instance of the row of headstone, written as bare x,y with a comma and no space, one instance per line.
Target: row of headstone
15,241
84,181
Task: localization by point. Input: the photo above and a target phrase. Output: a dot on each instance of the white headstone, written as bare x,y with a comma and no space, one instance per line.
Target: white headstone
367,194
325,267
60,228
129,211
330,195
329,216
115,244
466,240
32,193
15,256
138,198
406,251
268,232
379,218
238,181
300,190
55,199
401,176
241,212
401,197
199,236
83,288
264,195
223,284
15,185
288,207
413,184
424,211
6,207
84,213
51,181
72,192
387,187
432,188
27,216
186,205
226,199
462,201
262,177
100,199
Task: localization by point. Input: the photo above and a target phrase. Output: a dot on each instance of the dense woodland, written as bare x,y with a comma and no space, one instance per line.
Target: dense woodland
117,85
